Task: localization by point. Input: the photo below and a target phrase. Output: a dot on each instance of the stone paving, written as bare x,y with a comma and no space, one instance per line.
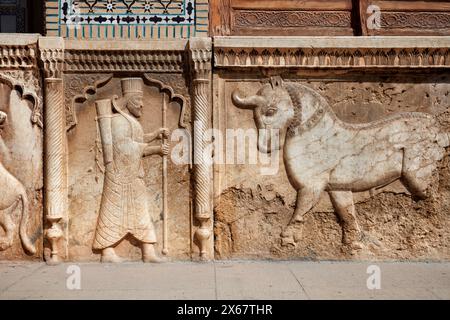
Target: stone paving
240,280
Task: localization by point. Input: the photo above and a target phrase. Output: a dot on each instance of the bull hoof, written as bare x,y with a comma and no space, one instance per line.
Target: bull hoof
287,241
291,234
297,219
4,246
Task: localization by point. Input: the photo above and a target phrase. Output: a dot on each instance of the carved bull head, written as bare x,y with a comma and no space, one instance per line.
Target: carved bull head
272,111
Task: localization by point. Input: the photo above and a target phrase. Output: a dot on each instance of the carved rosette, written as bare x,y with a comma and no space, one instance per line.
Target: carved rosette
52,58
201,55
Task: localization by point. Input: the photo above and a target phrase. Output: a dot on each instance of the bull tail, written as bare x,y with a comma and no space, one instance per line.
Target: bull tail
29,247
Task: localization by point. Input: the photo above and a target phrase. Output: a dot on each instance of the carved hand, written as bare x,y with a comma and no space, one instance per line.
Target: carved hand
164,133
165,149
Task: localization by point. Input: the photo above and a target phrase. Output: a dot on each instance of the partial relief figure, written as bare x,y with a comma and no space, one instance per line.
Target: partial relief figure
12,196
124,207
323,153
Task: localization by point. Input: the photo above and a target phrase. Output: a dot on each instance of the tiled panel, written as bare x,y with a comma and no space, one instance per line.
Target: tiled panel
127,19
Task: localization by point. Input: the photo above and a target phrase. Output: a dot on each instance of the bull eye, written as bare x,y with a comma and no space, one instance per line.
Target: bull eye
271,111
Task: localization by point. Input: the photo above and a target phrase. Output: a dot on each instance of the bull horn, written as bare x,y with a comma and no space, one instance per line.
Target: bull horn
3,117
249,102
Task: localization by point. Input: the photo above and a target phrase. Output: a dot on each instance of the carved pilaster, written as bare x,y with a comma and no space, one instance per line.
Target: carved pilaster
52,56
201,65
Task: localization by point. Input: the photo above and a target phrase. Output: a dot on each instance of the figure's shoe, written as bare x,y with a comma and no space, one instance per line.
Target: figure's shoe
111,257
149,254
154,259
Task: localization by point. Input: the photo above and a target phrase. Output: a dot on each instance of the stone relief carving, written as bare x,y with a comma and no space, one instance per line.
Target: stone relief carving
419,20
27,82
177,87
124,206
127,60
323,153
12,196
290,18
77,89
309,56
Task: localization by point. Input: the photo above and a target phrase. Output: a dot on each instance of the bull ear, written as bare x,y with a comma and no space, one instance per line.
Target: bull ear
249,102
276,82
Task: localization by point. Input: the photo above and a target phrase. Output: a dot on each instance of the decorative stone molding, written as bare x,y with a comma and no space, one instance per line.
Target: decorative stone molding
172,95
142,56
290,19
19,69
426,20
28,83
201,54
332,52
52,56
18,56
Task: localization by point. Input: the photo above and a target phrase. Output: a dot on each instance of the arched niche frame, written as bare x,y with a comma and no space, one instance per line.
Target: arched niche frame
28,87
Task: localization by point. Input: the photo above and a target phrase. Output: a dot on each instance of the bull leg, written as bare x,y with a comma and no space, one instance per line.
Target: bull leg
345,209
307,198
7,224
415,185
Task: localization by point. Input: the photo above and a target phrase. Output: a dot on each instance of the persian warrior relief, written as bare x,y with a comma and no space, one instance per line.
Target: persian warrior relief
124,206
323,153
12,196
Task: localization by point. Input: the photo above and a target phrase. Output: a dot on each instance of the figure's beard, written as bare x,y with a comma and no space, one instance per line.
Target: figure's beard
135,108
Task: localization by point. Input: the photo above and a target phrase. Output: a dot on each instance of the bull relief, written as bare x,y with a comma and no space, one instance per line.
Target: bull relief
323,153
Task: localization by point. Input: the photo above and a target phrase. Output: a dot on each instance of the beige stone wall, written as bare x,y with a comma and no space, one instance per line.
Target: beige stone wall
79,119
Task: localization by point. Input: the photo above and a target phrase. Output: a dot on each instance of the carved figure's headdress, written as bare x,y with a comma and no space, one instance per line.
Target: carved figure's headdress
131,85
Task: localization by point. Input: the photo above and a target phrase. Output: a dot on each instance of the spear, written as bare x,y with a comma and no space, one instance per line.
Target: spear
165,251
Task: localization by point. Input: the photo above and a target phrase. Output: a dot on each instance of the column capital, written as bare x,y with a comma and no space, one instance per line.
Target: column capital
51,54
201,58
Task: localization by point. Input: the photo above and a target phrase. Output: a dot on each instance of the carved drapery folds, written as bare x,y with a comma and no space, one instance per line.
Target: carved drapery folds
201,63
52,57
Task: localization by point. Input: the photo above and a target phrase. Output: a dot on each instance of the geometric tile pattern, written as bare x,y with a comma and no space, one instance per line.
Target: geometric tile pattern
128,19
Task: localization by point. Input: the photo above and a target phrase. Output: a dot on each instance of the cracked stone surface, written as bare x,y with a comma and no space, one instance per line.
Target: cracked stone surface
252,210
